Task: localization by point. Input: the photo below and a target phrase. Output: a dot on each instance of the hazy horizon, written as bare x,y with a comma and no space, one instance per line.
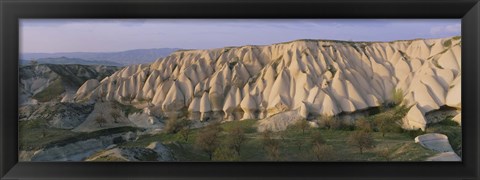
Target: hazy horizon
114,35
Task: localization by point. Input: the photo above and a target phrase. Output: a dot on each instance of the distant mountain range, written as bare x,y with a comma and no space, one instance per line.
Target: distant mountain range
136,56
66,60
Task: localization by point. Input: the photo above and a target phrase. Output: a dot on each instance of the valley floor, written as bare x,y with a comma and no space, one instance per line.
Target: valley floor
293,144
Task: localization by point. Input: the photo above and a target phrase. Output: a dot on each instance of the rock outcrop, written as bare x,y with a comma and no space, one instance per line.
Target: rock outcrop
320,77
279,122
125,154
104,116
57,115
76,151
439,143
59,83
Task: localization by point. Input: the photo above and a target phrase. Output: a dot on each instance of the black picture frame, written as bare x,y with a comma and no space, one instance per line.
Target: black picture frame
12,10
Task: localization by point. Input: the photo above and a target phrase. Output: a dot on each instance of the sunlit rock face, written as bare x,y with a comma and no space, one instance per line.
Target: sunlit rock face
316,77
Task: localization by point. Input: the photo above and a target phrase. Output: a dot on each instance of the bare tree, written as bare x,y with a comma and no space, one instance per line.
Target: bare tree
385,153
323,151
186,129
271,145
302,125
236,137
208,139
320,149
362,140
317,138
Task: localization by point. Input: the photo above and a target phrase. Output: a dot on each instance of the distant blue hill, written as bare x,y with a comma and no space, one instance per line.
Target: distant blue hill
65,60
136,56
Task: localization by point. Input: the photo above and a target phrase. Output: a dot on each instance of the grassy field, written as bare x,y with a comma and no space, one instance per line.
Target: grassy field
295,145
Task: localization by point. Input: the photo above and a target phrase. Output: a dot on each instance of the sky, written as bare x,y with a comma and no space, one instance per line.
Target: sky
110,35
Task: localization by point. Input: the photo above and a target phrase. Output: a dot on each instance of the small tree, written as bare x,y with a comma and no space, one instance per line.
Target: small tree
363,124
271,145
362,140
186,129
302,125
389,121
385,153
324,121
224,153
317,138
273,150
319,148
323,151
385,124
115,115
175,125
235,139
101,121
266,137
299,143
331,122
208,139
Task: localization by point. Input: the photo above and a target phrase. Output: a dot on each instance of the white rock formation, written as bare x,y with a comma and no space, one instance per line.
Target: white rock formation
439,143
163,153
415,119
87,88
318,77
280,121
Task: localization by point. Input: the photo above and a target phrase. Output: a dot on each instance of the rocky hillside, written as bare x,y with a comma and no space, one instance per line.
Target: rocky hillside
50,82
313,77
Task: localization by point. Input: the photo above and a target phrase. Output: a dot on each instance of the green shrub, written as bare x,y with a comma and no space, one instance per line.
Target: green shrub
448,122
127,109
414,133
447,43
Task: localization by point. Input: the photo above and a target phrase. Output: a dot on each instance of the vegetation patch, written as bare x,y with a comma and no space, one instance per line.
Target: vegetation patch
54,90
447,43
38,134
452,130
127,109
239,141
